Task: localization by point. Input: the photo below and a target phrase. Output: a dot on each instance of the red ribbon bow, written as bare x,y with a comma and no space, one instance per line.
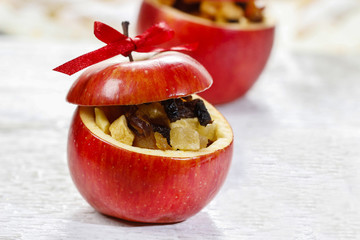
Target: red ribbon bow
117,43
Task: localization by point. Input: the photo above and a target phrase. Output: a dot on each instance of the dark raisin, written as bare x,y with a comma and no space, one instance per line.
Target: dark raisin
177,109
187,7
202,113
171,109
233,20
184,110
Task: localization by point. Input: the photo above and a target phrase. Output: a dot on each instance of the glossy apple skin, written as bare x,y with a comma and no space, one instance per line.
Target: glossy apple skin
142,188
234,57
166,75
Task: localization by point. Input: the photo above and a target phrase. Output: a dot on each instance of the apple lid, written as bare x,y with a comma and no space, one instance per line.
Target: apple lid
166,75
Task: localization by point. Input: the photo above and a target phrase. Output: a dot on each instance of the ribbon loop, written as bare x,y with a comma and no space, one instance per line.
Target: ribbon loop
117,43
107,34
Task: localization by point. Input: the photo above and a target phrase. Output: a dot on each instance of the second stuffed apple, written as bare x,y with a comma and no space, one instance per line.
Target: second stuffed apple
234,54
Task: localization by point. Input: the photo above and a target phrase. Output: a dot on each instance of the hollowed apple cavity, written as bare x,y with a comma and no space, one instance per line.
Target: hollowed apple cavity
141,184
182,137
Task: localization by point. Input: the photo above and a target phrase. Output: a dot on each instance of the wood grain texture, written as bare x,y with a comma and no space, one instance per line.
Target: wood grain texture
295,172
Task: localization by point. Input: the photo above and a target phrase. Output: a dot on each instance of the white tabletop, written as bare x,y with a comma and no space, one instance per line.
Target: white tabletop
294,175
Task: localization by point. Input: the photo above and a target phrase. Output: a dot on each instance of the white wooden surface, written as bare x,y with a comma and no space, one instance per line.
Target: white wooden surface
295,171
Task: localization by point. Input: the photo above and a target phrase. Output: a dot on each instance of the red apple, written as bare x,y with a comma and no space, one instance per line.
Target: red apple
234,54
139,184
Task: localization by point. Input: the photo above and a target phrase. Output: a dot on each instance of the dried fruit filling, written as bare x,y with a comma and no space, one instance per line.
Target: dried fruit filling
219,11
174,124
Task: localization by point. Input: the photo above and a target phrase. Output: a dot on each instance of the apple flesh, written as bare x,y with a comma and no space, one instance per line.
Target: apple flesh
145,185
234,54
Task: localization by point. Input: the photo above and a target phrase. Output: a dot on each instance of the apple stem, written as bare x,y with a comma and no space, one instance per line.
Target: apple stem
125,26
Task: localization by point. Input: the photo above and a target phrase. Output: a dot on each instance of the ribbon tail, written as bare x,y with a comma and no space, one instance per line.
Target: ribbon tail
88,59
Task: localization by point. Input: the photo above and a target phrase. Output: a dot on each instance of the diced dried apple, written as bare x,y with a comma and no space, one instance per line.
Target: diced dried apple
120,131
203,141
145,141
209,8
152,110
101,120
184,139
230,11
161,142
185,123
208,131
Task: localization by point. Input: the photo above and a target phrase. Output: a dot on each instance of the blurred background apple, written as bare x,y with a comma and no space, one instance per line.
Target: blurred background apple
311,25
232,48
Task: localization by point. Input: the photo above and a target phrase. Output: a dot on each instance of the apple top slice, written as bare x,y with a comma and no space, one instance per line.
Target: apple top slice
164,76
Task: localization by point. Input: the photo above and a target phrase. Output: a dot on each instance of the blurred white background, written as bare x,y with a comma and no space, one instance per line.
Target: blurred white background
295,172
330,26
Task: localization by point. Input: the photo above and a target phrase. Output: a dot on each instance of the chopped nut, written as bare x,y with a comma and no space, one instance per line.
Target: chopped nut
120,131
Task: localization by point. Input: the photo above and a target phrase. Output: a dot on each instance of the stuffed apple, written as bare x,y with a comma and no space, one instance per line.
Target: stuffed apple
235,39
142,145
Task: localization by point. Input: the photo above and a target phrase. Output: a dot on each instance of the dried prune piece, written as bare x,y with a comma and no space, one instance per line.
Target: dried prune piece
179,108
184,110
202,113
176,109
171,109
139,124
